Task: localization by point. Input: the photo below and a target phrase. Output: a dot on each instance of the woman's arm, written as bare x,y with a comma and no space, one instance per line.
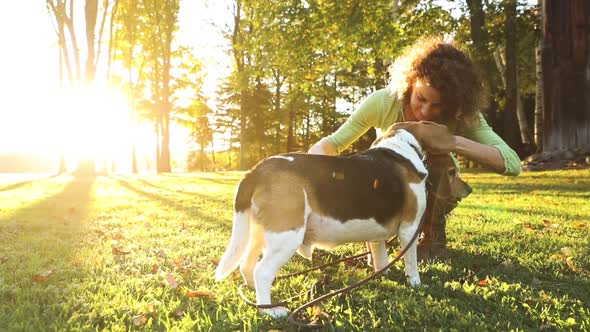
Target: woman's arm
355,126
481,144
486,155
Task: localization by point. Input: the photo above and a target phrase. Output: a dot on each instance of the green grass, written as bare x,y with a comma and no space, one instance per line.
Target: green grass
515,233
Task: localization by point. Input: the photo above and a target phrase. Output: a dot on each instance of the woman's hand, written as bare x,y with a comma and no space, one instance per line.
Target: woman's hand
323,147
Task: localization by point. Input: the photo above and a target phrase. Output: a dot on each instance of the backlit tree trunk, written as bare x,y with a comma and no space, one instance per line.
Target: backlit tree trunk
566,86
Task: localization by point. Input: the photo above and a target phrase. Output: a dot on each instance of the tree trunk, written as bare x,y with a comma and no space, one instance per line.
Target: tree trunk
525,132
165,104
91,10
277,109
510,118
482,55
239,56
539,100
134,169
565,60
69,20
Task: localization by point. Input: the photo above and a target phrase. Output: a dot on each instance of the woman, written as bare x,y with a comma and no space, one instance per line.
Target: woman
432,81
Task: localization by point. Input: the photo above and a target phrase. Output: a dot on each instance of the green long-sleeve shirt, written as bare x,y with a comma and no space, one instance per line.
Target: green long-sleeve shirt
381,109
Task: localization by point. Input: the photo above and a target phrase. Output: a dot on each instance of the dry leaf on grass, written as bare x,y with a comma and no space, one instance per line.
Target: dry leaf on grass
139,320
77,262
316,313
198,294
483,283
172,281
579,224
119,251
178,313
150,309
43,276
215,261
161,253
567,251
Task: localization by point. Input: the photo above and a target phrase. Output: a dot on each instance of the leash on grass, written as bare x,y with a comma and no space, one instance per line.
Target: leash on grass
313,287
345,290
325,318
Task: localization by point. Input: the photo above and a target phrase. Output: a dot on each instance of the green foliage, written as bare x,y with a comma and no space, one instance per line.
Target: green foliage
295,60
519,259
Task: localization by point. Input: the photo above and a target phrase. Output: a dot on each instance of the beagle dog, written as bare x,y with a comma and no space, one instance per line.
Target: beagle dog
297,202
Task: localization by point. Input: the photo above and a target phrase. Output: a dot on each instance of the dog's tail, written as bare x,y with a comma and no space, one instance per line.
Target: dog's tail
240,229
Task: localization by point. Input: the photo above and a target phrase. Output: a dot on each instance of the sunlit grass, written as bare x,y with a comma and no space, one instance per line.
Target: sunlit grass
507,270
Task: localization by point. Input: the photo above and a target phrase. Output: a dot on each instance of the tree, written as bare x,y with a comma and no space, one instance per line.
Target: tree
565,59
63,13
510,123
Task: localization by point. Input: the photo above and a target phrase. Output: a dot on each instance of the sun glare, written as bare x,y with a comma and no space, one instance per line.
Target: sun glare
94,125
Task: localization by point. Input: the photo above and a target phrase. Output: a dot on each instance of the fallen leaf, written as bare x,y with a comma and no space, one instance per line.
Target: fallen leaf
118,235
182,263
140,320
545,297
483,283
178,313
43,276
570,263
161,253
579,224
556,257
532,228
316,312
117,251
77,261
172,281
155,268
178,261
150,309
567,251
550,224
214,261
197,294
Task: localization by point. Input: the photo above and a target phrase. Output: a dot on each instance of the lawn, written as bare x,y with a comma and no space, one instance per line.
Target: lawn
123,253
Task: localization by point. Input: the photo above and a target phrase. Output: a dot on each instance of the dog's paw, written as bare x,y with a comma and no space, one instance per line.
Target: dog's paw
249,283
414,281
278,312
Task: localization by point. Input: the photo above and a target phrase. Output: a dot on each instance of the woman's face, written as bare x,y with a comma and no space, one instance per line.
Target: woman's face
425,103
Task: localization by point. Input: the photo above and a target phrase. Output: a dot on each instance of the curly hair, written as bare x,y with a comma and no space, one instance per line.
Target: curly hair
448,69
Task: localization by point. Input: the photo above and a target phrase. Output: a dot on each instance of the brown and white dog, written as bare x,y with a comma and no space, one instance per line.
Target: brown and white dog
296,202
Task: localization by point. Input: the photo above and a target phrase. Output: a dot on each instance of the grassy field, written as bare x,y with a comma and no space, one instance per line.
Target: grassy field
123,253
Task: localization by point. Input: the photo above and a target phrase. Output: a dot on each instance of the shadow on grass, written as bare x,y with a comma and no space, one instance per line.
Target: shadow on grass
187,194
67,207
567,283
24,183
202,177
190,211
531,188
481,208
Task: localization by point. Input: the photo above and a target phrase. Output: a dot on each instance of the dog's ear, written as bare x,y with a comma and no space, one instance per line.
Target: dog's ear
409,126
434,137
